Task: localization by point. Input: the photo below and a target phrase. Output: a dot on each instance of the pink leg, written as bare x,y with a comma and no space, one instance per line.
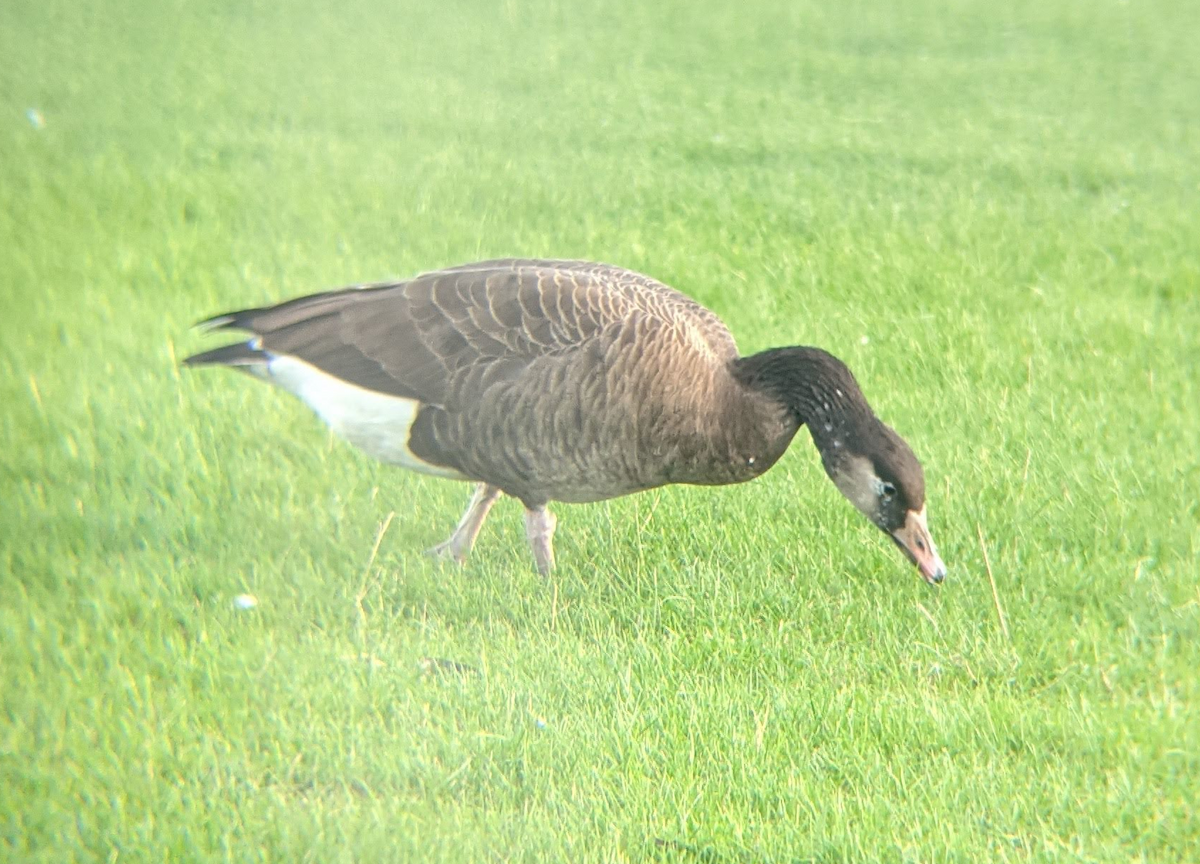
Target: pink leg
459,544
539,531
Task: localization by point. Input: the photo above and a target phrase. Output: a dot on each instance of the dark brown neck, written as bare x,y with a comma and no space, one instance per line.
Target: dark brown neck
816,388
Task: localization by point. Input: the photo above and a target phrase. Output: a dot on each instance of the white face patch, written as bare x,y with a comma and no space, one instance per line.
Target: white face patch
858,482
376,423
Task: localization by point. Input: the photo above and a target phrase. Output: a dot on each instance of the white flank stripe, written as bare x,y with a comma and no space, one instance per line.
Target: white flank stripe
376,423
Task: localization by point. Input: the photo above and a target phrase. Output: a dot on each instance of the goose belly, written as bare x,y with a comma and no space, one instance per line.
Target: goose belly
379,424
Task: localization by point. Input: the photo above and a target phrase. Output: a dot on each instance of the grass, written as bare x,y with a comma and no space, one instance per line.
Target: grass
990,211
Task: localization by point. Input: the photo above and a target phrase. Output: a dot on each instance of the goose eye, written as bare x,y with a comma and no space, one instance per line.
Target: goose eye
888,490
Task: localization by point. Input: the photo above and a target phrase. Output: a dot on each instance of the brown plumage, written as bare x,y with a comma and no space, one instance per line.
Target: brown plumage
570,381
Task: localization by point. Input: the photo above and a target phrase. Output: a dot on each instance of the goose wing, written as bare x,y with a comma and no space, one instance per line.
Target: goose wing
426,337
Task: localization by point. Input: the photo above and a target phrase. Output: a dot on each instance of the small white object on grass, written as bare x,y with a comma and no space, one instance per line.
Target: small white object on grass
245,601
36,120
864,339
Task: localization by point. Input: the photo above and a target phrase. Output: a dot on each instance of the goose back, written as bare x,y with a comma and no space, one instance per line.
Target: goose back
552,380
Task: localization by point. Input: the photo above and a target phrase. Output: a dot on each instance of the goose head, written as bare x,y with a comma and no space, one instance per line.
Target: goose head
868,462
885,482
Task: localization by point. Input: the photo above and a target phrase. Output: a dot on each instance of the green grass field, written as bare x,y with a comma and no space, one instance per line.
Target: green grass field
990,211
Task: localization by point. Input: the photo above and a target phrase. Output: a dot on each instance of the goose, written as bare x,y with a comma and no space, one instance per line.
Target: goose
570,381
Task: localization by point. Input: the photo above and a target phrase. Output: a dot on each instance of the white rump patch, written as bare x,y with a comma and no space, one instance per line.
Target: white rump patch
376,423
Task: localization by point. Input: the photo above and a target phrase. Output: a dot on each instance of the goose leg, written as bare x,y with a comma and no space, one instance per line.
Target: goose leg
459,544
539,531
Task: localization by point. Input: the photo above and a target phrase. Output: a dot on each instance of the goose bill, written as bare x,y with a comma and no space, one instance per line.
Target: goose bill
913,537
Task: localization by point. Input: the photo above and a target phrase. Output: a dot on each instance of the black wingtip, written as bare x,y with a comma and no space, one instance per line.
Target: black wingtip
240,354
227,321
216,323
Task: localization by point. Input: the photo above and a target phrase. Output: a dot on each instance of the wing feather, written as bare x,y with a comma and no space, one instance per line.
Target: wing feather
425,337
